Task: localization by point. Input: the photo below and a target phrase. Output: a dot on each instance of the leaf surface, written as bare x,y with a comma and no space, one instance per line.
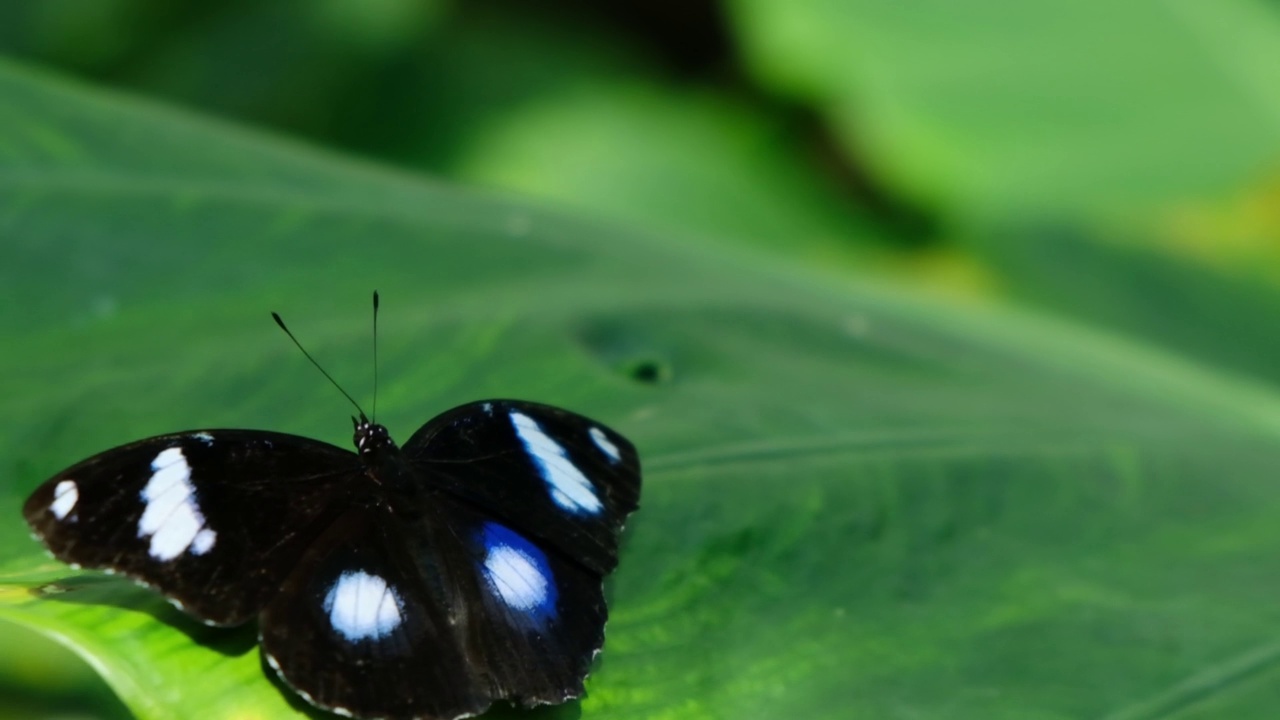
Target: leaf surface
858,503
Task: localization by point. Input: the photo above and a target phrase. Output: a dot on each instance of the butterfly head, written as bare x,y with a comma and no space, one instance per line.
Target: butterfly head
371,438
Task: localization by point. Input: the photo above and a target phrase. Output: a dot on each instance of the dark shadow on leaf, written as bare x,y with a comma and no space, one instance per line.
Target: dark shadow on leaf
127,595
295,701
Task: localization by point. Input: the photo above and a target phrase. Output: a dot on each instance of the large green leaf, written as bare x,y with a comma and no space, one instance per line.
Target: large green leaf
858,503
1078,106
1203,302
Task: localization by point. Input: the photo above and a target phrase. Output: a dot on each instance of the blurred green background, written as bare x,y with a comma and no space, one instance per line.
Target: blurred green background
981,149
1110,168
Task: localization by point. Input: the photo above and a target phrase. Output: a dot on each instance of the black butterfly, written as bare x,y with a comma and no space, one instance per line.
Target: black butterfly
419,582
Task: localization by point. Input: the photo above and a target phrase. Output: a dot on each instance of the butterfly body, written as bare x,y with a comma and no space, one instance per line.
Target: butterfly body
423,581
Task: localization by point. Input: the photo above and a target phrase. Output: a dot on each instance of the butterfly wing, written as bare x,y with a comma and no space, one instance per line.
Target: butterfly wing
536,617
432,613
212,519
560,479
363,627
484,586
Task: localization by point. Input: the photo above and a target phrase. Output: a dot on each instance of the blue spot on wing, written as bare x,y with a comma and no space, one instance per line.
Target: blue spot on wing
517,573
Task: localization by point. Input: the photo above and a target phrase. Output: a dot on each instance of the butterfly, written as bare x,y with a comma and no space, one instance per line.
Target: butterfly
427,580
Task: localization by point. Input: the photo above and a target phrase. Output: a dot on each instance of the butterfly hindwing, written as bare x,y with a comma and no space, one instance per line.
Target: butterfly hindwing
536,617
364,627
556,476
211,518
453,610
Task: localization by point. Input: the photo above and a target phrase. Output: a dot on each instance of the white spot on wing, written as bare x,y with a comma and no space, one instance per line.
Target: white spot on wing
361,606
172,517
606,446
203,541
65,497
204,437
515,577
570,489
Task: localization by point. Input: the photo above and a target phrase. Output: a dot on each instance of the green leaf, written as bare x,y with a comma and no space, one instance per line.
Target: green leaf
993,105
47,680
705,165
1200,301
858,503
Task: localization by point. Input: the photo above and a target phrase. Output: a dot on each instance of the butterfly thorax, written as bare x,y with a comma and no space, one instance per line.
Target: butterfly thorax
372,440
383,461
379,453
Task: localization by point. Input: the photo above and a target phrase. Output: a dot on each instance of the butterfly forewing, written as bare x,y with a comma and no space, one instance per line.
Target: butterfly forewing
213,519
559,478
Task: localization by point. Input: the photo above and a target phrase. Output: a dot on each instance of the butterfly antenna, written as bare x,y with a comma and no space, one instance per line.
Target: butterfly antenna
375,356
313,362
